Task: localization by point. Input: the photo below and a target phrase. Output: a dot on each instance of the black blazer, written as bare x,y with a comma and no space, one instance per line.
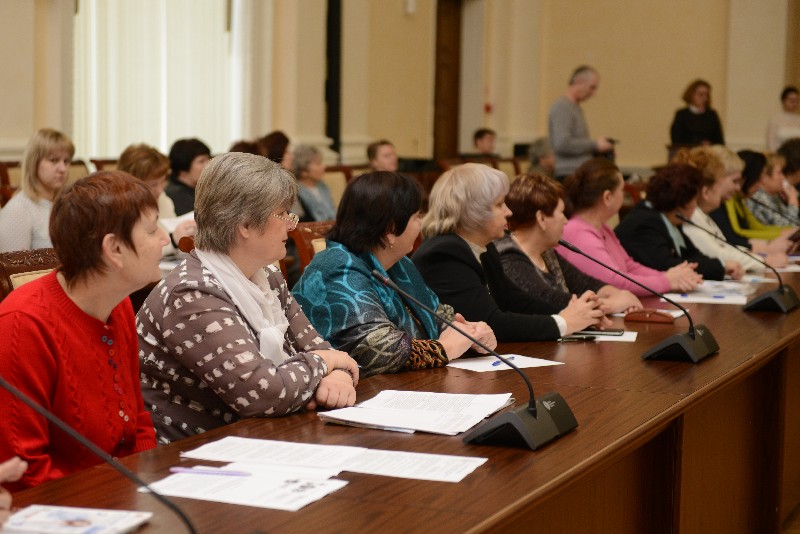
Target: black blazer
482,292
646,238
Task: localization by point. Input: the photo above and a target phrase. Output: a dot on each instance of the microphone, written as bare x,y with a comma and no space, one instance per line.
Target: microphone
53,418
773,209
540,422
783,299
692,346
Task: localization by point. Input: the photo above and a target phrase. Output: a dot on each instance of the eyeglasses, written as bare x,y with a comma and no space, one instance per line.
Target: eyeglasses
291,218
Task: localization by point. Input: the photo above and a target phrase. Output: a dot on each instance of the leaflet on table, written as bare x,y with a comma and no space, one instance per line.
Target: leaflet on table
707,298
279,492
724,287
674,313
41,519
483,364
437,413
254,456
628,336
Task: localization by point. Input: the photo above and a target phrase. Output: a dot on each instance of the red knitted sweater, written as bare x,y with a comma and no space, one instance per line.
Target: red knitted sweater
84,371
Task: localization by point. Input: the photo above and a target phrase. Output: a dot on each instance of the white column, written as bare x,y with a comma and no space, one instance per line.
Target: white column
756,70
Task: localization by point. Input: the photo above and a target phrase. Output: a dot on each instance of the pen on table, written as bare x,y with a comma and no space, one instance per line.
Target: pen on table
209,471
498,362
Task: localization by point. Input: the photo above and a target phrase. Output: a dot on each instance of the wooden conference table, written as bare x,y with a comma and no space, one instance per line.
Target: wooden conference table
660,447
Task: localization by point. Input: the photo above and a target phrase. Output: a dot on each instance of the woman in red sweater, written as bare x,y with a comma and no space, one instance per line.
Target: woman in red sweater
69,339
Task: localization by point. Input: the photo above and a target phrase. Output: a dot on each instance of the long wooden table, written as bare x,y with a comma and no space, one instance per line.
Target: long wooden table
660,447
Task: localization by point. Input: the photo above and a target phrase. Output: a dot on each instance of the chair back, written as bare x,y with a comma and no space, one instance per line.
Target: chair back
77,170
104,164
11,173
23,266
509,166
336,178
309,238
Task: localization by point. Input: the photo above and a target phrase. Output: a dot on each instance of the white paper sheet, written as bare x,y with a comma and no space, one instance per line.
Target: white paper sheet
278,492
236,449
627,336
420,466
707,298
171,224
483,364
438,413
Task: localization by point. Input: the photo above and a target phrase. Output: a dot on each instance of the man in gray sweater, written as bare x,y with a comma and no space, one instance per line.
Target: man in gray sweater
569,134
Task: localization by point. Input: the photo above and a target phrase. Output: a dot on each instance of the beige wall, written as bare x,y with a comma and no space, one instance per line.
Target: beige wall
35,55
646,53
400,64
519,60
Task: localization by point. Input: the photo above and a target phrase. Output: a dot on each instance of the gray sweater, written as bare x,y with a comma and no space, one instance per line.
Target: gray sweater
569,136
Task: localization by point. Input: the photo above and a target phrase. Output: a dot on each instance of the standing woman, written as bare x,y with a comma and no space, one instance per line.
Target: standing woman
69,340
45,166
221,337
697,123
376,227
467,211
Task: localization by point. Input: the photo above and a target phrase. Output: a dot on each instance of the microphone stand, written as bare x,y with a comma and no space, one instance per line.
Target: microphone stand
782,299
96,451
541,421
691,346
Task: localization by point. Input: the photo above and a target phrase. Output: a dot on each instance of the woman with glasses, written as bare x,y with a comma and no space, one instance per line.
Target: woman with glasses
220,337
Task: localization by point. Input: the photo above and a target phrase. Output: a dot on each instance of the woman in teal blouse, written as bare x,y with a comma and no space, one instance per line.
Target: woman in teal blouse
377,224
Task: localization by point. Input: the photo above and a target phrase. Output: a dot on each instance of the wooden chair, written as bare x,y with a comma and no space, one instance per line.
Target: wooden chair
309,238
510,166
23,266
336,178
12,173
104,164
77,170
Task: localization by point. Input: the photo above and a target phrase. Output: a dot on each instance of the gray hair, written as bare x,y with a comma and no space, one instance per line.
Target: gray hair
539,149
237,189
580,73
462,198
303,156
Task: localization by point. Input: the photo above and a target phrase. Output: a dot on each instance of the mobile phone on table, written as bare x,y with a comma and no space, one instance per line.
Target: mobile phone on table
606,332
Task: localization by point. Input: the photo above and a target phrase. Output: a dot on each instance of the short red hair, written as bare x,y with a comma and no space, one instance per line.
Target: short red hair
105,202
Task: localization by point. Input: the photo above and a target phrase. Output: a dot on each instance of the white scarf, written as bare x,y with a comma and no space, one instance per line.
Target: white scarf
255,299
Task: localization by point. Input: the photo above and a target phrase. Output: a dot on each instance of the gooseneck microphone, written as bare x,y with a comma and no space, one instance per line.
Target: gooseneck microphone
692,346
53,418
783,298
540,422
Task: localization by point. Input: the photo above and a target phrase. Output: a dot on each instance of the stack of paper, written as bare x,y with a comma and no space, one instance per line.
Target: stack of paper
41,519
287,476
407,411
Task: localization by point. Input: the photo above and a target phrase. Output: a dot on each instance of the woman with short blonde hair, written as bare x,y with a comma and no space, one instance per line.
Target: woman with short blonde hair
467,211
45,168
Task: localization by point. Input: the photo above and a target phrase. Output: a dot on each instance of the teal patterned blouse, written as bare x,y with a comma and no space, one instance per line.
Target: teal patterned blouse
359,315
